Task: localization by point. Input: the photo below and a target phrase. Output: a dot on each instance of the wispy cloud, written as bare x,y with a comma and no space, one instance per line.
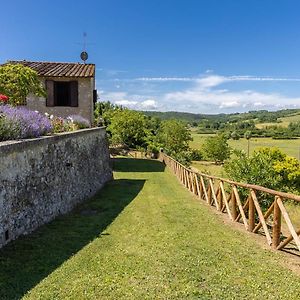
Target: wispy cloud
110,72
214,80
185,79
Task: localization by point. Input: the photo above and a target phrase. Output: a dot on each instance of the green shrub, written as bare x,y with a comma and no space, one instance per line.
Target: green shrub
267,167
9,130
196,154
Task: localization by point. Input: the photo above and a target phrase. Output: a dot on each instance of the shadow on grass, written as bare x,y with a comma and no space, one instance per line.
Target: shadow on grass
137,165
25,262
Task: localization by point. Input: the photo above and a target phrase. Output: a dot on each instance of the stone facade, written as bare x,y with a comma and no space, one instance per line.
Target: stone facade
46,177
85,100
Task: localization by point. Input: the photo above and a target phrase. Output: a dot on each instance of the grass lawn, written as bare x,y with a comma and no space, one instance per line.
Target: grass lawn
143,237
290,147
208,167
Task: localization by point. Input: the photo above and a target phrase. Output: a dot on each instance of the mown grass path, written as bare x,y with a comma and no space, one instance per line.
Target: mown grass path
143,237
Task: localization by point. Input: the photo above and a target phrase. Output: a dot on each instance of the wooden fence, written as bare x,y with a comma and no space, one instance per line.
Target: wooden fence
242,203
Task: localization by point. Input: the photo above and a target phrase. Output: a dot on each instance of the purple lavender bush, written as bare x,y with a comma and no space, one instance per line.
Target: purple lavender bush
23,123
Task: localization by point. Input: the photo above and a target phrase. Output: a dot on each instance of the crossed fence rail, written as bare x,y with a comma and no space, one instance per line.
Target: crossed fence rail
225,196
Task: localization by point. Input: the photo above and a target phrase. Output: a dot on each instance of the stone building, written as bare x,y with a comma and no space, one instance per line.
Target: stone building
70,88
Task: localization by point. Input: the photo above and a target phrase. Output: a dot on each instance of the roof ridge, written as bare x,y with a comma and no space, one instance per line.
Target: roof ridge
49,62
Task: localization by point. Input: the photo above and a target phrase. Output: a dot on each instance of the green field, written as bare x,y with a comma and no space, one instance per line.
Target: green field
144,236
284,122
208,167
290,147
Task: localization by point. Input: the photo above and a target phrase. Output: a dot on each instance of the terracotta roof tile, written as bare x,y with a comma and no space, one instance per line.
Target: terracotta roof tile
57,69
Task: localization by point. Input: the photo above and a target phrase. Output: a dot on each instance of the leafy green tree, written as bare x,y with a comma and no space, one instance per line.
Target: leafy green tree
216,148
128,127
257,169
174,136
247,136
235,136
103,111
18,81
268,167
196,154
289,170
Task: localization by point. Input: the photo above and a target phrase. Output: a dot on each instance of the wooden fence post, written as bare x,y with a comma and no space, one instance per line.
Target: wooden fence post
197,185
276,225
219,197
251,214
234,206
192,182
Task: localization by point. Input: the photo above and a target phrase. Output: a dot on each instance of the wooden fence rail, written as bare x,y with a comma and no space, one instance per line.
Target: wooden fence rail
242,203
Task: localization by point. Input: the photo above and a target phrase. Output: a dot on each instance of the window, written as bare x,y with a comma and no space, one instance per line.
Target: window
62,93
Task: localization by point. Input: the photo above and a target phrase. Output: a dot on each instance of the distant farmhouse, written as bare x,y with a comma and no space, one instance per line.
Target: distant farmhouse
70,88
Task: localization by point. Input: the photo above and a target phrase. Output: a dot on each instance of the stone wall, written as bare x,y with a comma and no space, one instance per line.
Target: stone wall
45,177
85,100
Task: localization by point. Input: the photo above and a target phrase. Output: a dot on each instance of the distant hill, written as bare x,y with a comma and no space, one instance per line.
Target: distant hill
260,116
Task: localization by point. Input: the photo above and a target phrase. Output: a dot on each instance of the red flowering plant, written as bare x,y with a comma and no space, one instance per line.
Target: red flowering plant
3,99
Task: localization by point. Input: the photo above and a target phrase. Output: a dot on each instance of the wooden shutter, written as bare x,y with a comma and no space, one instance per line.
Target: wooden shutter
95,96
50,92
74,93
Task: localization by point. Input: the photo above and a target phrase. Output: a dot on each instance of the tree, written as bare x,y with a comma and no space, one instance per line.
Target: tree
256,169
128,127
289,170
103,111
248,135
18,81
174,136
268,167
217,149
235,136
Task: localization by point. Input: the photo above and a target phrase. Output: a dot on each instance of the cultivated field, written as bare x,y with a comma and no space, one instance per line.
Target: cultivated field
290,147
285,121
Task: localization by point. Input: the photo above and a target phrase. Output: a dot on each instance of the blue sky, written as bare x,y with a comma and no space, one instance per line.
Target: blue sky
190,55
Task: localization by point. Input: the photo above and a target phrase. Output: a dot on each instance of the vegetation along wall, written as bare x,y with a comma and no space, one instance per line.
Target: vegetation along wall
45,177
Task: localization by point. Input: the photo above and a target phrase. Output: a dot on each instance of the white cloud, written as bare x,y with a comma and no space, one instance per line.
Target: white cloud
126,103
110,72
229,104
199,94
135,101
211,81
149,104
104,96
188,79
258,104
202,94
